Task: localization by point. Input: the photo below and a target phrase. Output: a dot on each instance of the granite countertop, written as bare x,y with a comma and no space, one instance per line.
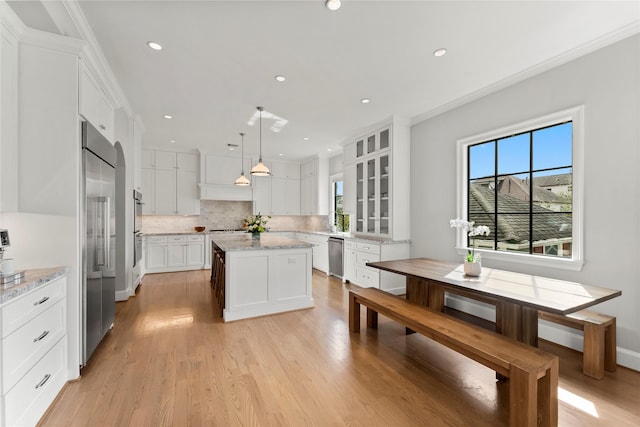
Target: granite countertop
32,279
244,241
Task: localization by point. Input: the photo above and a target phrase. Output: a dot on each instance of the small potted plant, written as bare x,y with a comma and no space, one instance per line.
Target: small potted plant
256,224
472,264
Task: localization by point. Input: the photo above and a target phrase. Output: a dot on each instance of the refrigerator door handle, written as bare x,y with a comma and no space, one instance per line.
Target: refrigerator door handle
107,232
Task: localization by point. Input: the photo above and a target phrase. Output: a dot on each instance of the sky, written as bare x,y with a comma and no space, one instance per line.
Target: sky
551,149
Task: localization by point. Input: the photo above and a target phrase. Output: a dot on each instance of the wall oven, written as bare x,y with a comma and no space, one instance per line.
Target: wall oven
137,224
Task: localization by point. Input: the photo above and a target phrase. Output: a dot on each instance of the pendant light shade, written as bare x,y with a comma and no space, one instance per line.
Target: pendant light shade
242,181
260,169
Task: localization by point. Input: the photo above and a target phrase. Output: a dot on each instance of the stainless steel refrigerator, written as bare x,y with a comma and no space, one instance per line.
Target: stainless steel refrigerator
99,231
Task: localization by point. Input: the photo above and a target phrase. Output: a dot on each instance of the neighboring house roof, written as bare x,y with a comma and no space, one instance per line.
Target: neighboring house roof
514,228
520,189
553,180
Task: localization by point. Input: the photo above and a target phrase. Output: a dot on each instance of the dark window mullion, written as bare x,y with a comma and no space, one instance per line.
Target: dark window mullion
530,192
495,197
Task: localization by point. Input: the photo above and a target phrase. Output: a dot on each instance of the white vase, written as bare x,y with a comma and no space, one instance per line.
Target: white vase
472,268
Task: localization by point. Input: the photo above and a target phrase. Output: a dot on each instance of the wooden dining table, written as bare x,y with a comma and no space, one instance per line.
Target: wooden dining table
516,296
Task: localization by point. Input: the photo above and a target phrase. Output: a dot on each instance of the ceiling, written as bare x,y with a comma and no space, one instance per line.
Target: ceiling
219,60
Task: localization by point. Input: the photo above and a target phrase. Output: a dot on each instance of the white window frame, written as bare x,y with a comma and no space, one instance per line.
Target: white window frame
575,263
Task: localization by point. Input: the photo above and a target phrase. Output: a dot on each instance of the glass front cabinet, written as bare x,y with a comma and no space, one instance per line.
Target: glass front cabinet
373,183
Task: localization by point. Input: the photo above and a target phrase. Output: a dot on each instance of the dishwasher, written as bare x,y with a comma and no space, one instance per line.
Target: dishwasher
335,256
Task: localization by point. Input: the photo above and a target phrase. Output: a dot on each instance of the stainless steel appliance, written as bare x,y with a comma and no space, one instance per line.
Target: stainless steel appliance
137,233
99,231
335,256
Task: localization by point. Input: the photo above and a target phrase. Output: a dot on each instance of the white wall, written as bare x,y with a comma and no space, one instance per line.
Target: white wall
607,83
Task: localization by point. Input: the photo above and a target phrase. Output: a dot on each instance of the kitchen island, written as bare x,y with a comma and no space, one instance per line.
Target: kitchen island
257,277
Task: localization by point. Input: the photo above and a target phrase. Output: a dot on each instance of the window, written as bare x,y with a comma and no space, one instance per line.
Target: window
340,220
521,182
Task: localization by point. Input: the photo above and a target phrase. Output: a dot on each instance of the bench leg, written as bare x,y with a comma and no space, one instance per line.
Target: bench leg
548,396
372,318
594,350
610,361
523,396
354,314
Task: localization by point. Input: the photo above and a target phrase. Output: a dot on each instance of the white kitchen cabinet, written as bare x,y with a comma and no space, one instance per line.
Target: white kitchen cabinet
175,252
170,183
149,191
285,196
376,182
156,254
93,104
314,187
187,200
33,352
165,194
358,252
293,197
320,249
261,195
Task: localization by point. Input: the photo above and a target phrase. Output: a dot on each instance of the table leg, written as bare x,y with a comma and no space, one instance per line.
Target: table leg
509,320
529,333
417,291
436,297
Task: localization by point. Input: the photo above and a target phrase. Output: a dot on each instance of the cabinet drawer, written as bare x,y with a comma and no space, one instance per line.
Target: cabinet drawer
367,277
24,308
362,258
28,400
373,248
348,244
176,239
195,239
155,240
25,346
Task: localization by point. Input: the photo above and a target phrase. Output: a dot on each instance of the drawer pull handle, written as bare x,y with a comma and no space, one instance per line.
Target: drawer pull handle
42,335
44,381
365,247
42,301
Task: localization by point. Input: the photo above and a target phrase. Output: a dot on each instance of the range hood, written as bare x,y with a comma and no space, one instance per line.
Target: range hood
225,192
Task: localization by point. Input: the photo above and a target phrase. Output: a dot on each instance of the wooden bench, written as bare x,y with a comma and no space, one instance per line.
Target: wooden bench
532,373
599,352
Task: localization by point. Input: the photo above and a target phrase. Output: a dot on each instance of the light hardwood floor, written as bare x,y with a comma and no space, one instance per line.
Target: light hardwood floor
171,361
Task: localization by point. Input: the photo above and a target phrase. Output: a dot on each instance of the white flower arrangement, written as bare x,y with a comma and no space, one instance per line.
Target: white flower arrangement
256,223
467,227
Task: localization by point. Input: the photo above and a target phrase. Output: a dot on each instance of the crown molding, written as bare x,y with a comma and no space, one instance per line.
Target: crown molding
96,61
52,41
592,46
10,21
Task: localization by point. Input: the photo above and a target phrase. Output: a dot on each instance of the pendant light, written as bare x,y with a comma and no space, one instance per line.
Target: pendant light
242,181
260,169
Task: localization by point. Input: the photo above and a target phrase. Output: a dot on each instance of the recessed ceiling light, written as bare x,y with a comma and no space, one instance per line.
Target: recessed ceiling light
154,45
173,141
280,78
166,116
365,100
329,149
306,138
280,154
333,4
440,52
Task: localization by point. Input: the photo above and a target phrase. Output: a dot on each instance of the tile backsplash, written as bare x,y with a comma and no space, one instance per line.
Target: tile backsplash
217,214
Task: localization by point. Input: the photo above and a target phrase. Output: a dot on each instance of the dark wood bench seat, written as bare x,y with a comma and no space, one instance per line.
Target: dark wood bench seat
599,351
532,373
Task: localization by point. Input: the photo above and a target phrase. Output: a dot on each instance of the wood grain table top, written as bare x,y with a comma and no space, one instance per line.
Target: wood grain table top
542,293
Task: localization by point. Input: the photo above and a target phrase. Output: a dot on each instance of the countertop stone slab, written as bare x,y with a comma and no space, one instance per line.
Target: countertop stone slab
33,278
243,242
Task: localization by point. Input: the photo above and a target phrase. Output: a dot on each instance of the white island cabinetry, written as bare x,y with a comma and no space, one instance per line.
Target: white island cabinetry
264,276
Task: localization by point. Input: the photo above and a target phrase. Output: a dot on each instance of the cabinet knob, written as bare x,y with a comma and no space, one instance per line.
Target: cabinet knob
103,127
